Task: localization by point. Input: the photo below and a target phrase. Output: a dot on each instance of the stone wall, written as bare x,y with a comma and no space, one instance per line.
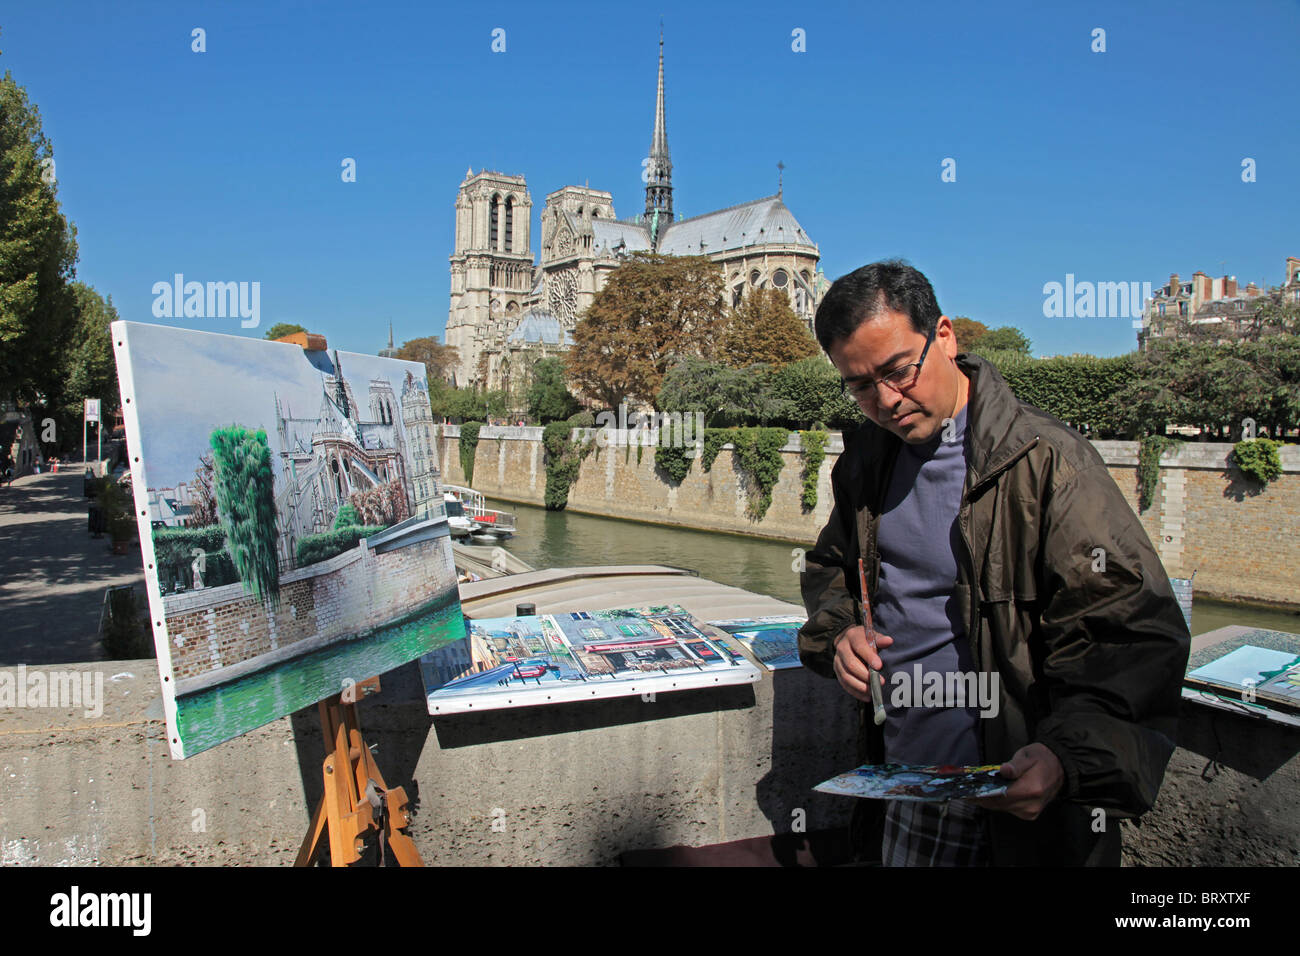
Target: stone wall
1240,539
350,593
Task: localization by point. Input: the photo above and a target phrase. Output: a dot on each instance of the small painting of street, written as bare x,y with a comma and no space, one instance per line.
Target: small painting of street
516,661
774,640
295,527
929,784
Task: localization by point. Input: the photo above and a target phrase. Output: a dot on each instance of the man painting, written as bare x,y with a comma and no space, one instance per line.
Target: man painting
980,520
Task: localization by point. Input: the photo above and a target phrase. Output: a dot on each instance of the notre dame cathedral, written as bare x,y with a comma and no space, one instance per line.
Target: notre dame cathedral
507,312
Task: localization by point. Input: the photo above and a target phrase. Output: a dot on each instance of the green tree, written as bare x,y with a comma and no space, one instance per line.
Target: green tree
1003,339
652,311
548,397
89,363
437,359
968,332
763,329
726,396
38,255
245,488
811,392
281,329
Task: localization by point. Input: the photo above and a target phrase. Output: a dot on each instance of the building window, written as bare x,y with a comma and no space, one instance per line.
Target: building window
510,224
779,278
492,223
754,277
1182,308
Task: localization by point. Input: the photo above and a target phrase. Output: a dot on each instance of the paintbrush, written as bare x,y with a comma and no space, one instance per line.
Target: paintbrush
875,680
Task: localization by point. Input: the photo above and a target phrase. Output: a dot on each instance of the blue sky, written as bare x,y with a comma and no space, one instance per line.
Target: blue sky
225,165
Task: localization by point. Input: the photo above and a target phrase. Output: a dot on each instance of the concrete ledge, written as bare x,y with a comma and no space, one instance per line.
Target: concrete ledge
570,784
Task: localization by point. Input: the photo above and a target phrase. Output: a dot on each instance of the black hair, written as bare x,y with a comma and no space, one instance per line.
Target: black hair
866,292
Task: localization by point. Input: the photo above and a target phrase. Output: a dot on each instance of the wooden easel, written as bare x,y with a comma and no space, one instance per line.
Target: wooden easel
356,800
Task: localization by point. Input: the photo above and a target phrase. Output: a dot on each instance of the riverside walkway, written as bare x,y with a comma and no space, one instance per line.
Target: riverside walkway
53,574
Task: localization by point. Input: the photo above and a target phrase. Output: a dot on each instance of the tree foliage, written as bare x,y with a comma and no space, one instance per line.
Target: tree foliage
764,330
1002,339
245,487
438,359
549,399
1214,385
203,511
38,255
968,332
652,311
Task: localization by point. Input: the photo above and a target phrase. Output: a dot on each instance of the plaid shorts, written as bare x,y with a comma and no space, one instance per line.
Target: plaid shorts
929,834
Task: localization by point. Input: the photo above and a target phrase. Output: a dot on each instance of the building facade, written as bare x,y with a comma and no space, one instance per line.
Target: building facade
497,290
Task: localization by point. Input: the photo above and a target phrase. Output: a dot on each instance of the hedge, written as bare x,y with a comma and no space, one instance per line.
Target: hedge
327,544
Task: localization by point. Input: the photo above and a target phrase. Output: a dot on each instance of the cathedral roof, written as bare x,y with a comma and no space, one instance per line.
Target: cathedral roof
766,220
540,326
610,232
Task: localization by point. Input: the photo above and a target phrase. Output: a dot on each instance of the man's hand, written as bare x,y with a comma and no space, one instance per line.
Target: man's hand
854,658
1038,778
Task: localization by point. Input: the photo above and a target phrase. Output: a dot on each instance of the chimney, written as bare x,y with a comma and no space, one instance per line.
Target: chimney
1173,284
1201,286
1229,286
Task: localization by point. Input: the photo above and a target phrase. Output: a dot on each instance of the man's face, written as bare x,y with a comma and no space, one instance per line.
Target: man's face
886,342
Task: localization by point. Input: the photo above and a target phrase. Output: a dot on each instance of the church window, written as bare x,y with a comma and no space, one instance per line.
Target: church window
492,223
754,277
737,294
510,224
779,278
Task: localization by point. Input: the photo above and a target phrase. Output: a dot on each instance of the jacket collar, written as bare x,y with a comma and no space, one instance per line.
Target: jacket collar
997,430
996,426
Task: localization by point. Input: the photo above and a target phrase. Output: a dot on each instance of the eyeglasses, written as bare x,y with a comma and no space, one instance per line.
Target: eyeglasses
898,380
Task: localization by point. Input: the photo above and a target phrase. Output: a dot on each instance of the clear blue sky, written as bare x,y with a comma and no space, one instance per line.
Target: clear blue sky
225,165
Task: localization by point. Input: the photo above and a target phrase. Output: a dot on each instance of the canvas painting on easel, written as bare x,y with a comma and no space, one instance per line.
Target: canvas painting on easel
294,538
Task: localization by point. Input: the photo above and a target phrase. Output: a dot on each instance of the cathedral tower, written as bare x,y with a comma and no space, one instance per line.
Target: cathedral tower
492,265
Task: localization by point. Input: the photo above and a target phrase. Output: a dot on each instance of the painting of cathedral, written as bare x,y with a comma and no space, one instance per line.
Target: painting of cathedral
346,452
291,526
507,311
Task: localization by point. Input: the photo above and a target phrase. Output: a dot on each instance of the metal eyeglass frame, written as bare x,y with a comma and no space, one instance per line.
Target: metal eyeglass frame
895,378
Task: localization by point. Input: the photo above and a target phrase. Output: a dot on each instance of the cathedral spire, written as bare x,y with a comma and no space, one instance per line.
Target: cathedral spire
659,166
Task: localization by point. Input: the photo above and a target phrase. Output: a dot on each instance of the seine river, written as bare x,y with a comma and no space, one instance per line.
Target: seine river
547,539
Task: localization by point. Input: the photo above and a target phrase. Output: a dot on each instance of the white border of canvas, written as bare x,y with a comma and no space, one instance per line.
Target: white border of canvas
140,488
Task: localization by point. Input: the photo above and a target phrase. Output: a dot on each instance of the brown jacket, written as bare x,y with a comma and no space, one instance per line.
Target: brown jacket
1089,661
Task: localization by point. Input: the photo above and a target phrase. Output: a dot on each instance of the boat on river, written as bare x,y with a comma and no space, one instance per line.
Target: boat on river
489,524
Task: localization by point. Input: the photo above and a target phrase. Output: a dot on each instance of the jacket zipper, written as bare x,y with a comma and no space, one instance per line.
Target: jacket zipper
963,517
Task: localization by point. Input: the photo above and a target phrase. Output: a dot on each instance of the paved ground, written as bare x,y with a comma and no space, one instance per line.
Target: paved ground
53,574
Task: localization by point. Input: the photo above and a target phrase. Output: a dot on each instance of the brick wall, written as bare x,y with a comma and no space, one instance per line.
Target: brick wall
1242,540
349,594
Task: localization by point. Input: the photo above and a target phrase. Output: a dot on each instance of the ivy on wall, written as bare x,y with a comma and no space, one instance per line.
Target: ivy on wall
1150,450
758,452
814,453
564,458
1259,458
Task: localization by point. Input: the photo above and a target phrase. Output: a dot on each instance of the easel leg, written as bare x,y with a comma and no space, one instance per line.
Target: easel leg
344,809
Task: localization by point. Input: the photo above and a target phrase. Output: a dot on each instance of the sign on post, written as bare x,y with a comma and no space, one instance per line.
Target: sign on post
92,410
